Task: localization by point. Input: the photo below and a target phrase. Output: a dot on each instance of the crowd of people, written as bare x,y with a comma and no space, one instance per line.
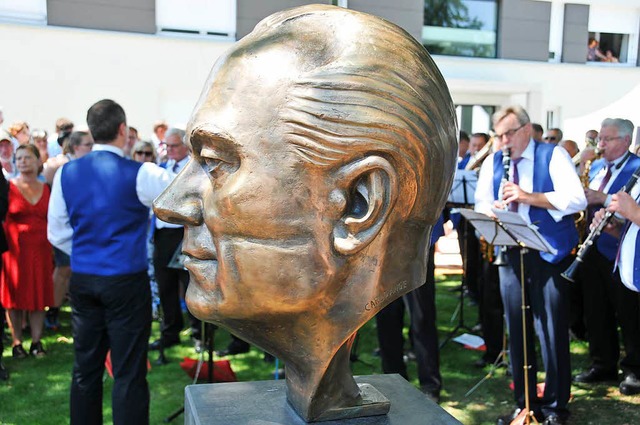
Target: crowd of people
548,182
54,206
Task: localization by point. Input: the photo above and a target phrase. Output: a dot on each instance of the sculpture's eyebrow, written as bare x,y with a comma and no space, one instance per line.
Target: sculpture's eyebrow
201,136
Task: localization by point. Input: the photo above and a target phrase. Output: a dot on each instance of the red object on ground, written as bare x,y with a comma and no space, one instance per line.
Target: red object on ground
222,371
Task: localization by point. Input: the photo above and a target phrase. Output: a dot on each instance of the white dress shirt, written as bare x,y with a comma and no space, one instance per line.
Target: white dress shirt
173,168
151,180
617,166
628,254
567,196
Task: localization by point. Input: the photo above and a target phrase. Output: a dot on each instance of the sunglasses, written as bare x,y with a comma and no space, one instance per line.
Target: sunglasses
145,153
550,138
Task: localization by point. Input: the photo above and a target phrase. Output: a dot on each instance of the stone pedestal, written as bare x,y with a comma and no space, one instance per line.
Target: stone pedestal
265,403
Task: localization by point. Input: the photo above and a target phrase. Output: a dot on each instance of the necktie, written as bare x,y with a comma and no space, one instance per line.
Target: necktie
175,167
607,177
513,206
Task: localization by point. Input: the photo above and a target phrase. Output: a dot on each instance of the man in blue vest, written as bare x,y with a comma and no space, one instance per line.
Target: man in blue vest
627,268
98,214
607,301
542,188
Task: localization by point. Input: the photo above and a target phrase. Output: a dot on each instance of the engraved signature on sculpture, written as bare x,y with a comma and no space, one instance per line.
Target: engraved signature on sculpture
400,287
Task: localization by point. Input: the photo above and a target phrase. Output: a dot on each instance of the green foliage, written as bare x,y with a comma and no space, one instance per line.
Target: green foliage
38,391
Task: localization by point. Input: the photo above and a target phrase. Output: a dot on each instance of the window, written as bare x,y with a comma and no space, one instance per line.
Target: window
460,27
613,46
24,11
206,17
616,30
475,118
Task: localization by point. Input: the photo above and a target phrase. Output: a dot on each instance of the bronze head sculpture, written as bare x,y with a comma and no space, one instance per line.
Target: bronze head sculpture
324,145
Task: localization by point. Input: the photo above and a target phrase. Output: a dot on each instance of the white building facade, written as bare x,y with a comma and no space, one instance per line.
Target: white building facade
57,57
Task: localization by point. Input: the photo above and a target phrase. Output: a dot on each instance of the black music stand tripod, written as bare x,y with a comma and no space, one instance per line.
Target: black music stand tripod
510,229
208,331
461,196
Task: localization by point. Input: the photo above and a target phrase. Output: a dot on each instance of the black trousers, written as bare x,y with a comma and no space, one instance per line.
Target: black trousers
165,243
470,252
607,303
110,313
422,309
547,294
491,311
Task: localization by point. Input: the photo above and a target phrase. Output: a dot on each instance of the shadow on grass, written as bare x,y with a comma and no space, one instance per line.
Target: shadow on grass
38,391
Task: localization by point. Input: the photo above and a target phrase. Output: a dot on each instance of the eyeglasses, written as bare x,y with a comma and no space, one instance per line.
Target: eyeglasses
550,138
145,153
509,133
607,139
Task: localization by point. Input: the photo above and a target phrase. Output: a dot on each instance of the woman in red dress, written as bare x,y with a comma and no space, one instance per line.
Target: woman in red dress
26,283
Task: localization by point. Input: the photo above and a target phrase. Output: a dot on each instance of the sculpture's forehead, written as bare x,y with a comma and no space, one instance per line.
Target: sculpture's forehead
249,84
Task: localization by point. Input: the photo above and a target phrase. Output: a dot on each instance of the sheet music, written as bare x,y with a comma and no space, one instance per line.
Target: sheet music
493,230
463,190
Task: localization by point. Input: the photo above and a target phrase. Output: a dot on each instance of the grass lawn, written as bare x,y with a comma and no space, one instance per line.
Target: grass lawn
38,391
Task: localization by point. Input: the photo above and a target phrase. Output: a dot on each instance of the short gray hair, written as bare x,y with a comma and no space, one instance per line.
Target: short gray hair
173,131
517,110
624,126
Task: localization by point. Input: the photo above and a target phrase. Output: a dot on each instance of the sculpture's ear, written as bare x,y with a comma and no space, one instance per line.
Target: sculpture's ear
370,187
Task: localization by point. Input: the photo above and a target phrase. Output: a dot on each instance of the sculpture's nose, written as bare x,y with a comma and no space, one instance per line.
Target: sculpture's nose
181,201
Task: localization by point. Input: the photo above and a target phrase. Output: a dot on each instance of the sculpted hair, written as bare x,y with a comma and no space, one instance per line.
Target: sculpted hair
518,111
104,119
353,98
624,126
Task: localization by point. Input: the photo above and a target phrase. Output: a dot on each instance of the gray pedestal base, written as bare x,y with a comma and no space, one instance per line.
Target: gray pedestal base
265,403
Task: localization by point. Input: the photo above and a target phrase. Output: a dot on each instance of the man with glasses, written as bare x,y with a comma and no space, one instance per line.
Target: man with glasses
554,135
544,189
166,240
605,297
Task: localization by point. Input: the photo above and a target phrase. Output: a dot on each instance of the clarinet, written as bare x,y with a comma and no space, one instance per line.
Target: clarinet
501,258
570,273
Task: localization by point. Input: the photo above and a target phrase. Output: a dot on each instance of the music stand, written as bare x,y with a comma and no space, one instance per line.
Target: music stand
462,195
510,229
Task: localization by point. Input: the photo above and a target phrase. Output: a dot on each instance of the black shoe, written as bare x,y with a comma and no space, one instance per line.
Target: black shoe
553,419
159,343
630,385
235,347
18,352
596,375
433,395
37,350
4,373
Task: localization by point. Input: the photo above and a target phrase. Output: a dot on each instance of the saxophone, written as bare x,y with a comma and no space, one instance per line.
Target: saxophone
581,218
